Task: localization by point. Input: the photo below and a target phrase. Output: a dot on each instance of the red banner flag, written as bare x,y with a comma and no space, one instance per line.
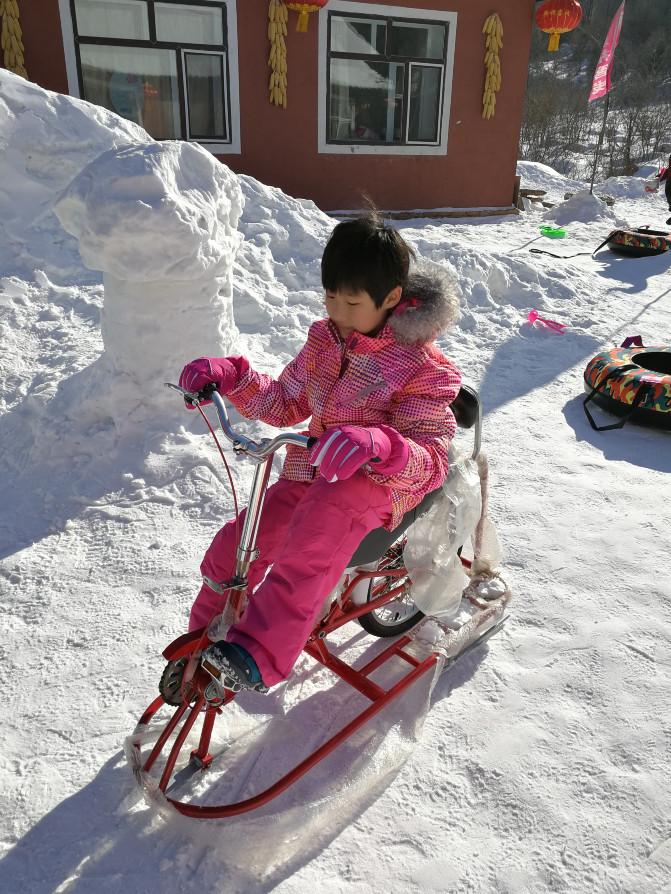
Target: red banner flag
601,83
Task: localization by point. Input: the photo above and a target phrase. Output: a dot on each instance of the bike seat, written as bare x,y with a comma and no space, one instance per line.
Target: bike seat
465,407
377,542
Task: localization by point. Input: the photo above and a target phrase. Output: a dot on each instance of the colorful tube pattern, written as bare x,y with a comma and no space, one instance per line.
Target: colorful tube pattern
624,387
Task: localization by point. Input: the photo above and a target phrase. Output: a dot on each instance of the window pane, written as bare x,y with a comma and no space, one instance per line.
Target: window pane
417,41
205,95
189,24
424,103
112,18
136,83
366,101
357,36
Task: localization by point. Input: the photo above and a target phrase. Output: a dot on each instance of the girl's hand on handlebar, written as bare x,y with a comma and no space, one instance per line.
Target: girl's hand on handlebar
219,371
342,451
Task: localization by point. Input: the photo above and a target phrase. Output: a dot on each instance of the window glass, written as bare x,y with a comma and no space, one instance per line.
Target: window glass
424,103
205,95
417,41
112,18
176,23
138,83
366,100
358,36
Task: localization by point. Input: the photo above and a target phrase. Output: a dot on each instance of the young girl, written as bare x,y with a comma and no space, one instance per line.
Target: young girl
378,394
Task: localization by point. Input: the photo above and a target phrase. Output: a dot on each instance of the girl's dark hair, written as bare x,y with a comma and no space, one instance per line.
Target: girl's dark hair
364,254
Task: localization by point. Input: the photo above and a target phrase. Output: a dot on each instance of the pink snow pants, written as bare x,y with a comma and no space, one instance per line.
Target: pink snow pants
309,530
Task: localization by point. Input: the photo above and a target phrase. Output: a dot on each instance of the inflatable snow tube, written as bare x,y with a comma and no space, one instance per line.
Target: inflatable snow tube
639,243
632,382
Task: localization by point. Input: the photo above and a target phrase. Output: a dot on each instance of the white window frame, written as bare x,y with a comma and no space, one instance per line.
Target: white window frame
396,12
440,110
222,55
216,148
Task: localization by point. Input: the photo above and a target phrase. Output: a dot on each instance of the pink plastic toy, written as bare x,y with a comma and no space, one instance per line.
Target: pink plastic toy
549,324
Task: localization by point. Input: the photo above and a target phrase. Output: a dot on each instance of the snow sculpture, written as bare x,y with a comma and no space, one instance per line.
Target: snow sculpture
45,141
160,221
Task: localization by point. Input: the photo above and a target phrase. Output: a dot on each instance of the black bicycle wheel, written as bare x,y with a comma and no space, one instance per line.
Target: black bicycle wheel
399,615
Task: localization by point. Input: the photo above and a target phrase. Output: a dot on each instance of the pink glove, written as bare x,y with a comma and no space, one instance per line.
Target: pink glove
342,451
223,371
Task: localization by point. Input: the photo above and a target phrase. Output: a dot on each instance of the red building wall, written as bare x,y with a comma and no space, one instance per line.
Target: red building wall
279,146
43,44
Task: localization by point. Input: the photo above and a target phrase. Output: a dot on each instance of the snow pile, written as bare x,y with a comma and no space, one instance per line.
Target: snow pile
277,291
579,214
625,187
535,175
581,208
36,128
160,303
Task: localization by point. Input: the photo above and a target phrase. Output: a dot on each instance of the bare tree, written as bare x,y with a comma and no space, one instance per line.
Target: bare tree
560,127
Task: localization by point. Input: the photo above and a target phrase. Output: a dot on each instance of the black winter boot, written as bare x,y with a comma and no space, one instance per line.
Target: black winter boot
232,667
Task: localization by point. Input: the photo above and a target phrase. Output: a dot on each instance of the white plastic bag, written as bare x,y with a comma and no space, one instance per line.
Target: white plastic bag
430,554
651,184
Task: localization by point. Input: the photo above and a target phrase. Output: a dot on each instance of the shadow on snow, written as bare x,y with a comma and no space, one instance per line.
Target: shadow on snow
105,838
639,445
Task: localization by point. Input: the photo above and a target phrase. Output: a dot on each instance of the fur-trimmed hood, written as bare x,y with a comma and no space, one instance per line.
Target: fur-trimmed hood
429,304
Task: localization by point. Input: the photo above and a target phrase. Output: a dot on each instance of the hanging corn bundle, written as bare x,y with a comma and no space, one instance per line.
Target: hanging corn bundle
493,31
11,38
277,60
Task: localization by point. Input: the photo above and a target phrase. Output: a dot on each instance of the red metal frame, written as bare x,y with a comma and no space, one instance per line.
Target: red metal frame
341,612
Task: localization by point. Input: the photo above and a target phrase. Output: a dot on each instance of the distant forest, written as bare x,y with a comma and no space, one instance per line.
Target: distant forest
561,128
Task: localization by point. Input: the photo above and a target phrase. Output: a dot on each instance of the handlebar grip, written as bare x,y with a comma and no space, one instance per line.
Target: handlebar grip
204,394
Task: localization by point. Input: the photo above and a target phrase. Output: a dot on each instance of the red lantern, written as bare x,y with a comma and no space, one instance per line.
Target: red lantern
304,10
557,17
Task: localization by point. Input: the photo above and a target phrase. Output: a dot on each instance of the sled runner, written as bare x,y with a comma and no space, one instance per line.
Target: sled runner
376,592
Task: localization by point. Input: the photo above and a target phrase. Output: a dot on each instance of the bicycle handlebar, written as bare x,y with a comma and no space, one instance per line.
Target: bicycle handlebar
241,443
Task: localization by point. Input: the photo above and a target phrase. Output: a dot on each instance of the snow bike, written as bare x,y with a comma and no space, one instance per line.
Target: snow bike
376,591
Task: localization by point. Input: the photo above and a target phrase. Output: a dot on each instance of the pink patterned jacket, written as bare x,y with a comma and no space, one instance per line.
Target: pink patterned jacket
397,378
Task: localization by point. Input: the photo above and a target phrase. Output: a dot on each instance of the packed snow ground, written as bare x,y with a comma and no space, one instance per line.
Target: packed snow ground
542,763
